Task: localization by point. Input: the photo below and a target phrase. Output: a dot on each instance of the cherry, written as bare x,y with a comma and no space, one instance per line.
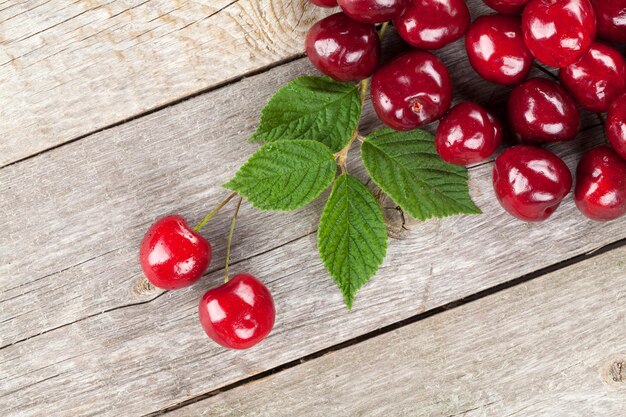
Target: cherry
238,314
558,32
411,90
428,24
507,6
373,11
530,182
611,17
172,255
600,191
616,125
467,134
597,79
496,50
342,48
540,110
324,3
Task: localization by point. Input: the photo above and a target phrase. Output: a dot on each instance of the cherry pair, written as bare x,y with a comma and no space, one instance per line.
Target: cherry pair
237,315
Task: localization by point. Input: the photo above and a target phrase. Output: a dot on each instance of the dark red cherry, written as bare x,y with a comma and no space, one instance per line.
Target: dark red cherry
428,24
496,49
411,90
507,6
597,79
601,184
558,32
611,17
467,134
616,125
540,110
172,255
324,3
342,48
238,314
530,182
373,11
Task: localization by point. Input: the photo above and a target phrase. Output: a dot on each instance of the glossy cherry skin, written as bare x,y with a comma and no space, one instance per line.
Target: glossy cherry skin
558,32
597,79
616,125
467,134
600,191
530,182
540,111
496,49
342,48
373,11
411,90
507,6
324,3
238,314
428,24
172,255
611,17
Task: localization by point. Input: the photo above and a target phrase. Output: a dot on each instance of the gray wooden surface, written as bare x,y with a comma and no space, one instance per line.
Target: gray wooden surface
80,333
554,346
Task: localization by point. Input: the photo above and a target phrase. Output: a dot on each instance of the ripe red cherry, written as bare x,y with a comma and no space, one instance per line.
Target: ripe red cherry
238,314
496,49
411,90
616,125
324,3
611,17
597,79
540,110
342,48
530,182
601,184
428,24
467,134
558,32
507,6
373,11
172,255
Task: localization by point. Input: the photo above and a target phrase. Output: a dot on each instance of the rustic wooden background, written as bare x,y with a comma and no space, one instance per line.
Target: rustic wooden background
116,112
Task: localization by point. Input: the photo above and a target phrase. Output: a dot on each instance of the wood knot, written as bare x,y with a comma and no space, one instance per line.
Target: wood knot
142,287
614,371
398,223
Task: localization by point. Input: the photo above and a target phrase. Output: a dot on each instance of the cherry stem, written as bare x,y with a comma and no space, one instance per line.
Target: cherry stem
230,238
213,212
383,29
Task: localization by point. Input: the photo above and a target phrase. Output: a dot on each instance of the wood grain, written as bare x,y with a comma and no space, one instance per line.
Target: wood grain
68,68
555,346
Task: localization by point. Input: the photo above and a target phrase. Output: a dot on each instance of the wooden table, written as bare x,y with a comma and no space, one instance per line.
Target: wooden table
116,112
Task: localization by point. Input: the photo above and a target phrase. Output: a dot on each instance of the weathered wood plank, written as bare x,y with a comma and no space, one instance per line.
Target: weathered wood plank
97,366
68,68
555,346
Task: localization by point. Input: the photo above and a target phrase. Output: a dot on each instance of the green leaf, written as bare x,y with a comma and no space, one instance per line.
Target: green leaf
285,175
406,166
312,108
352,236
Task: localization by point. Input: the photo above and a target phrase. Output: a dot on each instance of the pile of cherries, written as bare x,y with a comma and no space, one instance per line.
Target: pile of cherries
415,88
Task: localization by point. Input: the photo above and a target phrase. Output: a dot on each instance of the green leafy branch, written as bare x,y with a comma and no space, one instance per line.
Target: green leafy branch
309,127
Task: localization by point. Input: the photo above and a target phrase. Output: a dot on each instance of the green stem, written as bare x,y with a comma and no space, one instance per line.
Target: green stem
230,238
383,29
213,212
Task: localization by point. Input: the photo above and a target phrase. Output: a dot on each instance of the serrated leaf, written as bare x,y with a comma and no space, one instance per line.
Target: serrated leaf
352,236
312,108
406,166
285,175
